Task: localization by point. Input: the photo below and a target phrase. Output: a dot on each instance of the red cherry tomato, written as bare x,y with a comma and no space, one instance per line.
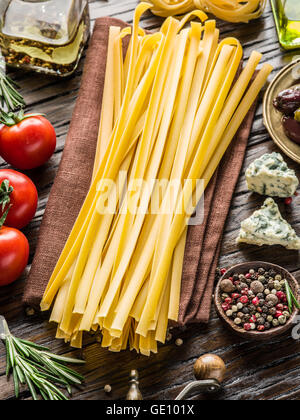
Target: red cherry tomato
14,254
22,200
27,142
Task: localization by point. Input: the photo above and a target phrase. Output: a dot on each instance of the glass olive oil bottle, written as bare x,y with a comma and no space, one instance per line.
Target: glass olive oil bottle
47,36
287,19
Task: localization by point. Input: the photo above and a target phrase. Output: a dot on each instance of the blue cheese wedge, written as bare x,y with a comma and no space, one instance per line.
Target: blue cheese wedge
267,227
269,175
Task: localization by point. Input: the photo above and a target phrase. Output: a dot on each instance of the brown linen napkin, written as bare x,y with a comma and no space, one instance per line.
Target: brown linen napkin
67,194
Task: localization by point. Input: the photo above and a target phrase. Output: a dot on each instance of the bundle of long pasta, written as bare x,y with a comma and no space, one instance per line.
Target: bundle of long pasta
229,10
170,110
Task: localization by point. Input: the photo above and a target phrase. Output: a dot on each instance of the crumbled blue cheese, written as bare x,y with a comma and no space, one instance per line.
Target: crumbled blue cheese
269,175
267,227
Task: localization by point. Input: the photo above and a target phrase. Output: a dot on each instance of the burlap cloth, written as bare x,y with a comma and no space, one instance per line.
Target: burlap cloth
74,176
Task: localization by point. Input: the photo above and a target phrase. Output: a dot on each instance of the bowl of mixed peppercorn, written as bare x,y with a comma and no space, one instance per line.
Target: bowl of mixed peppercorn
257,300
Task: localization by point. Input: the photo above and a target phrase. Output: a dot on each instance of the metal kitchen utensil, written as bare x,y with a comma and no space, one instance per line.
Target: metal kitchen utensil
209,371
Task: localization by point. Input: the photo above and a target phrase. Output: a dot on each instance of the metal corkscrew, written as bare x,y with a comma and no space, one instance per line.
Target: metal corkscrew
209,371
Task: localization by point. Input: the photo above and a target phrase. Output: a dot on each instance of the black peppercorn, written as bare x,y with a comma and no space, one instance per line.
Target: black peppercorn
235,277
261,271
267,325
260,296
261,302
265,309
270,304
240,315
261,321
272,273
252,308
262,279
272,311
245,311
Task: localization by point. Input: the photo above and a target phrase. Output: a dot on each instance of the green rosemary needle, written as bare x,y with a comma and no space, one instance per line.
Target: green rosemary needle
9,95
292,301
43,372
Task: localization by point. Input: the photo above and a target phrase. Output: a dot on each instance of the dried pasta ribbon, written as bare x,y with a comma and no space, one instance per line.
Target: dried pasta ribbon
229,10
169,112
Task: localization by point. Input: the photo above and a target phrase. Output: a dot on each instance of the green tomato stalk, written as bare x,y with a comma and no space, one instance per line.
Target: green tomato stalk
12,118
5,191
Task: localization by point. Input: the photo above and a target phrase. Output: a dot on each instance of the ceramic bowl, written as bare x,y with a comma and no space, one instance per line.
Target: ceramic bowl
243,269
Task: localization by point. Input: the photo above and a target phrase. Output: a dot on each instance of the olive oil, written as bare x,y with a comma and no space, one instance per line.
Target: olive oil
287,19
44,35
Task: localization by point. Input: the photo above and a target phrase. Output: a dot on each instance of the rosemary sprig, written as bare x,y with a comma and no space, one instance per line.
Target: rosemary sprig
35,366
9,95
291,300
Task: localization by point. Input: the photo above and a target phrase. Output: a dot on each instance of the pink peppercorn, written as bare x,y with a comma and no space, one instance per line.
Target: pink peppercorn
244,300
248,276
245,291
223,271
279,307
247,327
235,296
225,307
253,319
288,201
26,60
280,295
255,301
278,314
261,328
228,300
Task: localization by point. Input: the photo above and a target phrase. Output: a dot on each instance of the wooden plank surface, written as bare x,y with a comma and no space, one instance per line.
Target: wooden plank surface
255,371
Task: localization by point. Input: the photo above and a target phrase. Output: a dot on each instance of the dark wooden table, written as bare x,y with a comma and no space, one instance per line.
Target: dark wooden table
255,371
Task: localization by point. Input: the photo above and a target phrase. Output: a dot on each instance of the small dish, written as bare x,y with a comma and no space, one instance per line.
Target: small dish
288,77
256,335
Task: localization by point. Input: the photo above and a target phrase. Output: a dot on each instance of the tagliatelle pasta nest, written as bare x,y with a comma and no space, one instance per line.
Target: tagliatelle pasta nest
171,107
229,10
